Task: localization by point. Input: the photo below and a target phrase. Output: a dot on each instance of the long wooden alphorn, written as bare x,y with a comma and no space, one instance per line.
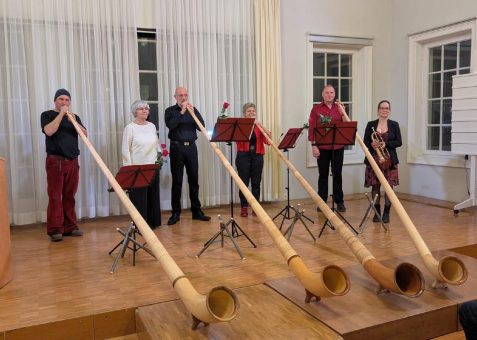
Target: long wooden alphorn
220,304
449,269
405,279
332,281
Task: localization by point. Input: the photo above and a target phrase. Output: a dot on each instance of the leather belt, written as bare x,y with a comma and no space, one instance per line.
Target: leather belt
182,143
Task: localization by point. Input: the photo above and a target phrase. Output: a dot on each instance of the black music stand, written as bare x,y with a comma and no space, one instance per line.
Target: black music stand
133,177
336,134
231,130
289,142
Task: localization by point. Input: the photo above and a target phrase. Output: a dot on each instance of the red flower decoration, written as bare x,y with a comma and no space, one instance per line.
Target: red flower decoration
225,107
164,150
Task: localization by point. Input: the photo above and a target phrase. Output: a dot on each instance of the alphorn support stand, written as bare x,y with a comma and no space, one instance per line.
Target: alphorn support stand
132,177
337,134
230,130
289,142
371,208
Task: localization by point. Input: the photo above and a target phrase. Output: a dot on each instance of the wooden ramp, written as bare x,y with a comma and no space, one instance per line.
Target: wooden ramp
363,314
264,314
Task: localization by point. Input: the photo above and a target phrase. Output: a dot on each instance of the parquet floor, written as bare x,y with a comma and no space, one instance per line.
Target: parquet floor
57,281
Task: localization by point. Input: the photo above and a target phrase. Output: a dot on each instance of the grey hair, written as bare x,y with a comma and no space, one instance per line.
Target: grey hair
247,106
138,104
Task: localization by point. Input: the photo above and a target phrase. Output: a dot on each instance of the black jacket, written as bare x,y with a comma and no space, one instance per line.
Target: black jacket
394,139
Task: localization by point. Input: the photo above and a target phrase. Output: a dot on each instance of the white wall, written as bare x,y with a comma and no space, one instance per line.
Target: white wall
410,17
388,22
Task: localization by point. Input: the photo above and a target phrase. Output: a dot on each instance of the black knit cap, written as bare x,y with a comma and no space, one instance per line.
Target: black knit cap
62,92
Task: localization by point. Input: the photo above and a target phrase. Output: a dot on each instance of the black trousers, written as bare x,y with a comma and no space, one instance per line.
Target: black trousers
184,156
148,202
324,162
249,166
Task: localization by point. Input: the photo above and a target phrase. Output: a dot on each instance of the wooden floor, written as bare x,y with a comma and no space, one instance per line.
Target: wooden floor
71,279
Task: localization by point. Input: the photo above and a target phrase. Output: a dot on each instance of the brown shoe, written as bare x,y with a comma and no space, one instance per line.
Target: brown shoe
243,211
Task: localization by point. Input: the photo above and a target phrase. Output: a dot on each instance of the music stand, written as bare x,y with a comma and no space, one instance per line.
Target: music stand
133,177
289,142
336,134
231,130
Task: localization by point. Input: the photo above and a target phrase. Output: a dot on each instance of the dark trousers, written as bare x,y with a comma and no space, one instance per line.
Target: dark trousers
324,162
184,156
249,166
148,202
62,176
468,319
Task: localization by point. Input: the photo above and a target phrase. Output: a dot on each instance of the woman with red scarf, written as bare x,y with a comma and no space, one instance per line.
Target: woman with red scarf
249,160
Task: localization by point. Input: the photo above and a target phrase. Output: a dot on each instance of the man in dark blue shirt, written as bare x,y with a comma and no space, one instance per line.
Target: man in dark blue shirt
183,153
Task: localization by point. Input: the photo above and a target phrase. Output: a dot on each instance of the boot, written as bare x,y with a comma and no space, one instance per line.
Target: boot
387,208
376,216
243,211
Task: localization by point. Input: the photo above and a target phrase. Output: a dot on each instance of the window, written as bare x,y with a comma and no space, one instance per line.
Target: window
148,71
334,69
434,57
445,61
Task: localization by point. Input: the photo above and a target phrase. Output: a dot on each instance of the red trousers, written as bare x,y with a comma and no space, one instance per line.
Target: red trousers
62,178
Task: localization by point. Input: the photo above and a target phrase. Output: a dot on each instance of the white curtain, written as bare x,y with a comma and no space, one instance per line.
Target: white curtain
208,47
268,66
88,47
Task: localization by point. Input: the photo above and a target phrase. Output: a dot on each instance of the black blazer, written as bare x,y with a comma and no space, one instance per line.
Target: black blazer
394,139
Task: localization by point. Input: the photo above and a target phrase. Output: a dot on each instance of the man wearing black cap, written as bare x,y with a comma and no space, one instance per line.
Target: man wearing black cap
182,133
62,169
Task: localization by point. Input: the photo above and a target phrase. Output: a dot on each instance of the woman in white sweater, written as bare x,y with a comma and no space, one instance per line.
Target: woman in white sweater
141,146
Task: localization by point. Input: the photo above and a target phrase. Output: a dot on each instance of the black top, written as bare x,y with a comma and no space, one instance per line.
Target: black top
394,139
64,142
182,128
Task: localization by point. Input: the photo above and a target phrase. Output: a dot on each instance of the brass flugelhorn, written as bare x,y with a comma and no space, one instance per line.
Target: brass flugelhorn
381,151
449,269
405,279
332,281
220,304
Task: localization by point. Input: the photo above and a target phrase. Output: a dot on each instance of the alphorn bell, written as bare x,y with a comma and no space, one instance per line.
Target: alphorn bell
405,279
332,281
449,269
220,304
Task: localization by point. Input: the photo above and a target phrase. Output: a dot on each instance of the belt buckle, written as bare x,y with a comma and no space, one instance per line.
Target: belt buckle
186,143
252,147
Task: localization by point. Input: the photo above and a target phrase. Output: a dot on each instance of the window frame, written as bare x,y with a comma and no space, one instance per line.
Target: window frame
418,90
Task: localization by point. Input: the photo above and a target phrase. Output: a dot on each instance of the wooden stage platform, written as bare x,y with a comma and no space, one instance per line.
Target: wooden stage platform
65,291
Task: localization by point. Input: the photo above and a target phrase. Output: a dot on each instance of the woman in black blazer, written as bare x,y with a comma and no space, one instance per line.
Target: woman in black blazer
391,134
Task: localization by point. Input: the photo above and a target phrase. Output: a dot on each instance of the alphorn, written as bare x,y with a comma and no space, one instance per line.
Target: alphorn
219,305
405,279
332,281
449,269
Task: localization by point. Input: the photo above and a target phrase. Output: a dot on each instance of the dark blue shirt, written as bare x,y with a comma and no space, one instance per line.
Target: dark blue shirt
182,128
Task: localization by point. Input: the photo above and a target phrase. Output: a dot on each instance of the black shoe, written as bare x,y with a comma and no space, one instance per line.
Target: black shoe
341,207
74,233
199,215
176,217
